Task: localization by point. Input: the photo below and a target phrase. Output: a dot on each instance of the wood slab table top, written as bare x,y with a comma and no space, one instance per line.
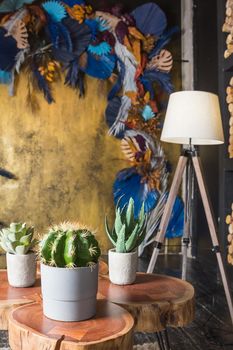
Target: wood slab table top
110,329
11,297
155,301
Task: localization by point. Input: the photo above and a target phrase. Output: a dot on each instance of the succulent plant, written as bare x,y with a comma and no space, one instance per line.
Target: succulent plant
17,238
127,233
69,245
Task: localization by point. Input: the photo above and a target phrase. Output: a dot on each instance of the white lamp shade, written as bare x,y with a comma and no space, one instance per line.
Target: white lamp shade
193,115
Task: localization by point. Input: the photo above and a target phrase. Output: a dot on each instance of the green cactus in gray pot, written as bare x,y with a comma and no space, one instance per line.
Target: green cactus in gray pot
69,245
127,233
17,238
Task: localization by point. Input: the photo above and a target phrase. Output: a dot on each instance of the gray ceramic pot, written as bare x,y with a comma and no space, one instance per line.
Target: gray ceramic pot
21,269
69,294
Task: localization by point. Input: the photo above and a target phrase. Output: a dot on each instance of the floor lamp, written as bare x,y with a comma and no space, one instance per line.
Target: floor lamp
192,118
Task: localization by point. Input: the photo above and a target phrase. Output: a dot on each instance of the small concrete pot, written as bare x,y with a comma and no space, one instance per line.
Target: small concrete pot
21,269
69,294
122,267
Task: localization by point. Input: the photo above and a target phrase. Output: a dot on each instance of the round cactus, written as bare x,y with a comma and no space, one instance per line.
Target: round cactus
69,245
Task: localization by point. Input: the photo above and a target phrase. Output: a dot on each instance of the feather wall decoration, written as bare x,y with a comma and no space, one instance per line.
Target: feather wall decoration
147,113
111,20
80,35
129,184
8,50
13,20
9,175
100,67
150,19
163,79
163,40
43,85
130,67
20,34
52,36
101,49
13,5
162,62
5,77
71,3
119,123
55,10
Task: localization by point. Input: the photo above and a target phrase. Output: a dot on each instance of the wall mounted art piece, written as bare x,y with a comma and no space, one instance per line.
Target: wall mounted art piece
228,28
47,41
229,222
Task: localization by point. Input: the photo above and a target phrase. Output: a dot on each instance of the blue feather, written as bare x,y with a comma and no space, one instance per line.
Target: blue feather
93,25
101,49
71,3
147,113
176,223
148,86
101,67
128,184
43,86
74,77
7,174
64,33
55,10
117,86
5,77
102,24
163,40
163,79
59,35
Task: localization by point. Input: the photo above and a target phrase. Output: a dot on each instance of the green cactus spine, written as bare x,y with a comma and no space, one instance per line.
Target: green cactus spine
17,238
128,232
69,245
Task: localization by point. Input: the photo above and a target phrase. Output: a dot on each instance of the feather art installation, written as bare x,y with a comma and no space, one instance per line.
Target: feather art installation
54,38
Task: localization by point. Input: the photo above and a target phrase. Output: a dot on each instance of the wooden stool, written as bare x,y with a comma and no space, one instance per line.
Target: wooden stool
110,329
155,301
11,297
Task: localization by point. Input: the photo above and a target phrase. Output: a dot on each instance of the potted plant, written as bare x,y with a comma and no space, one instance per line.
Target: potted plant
17,240
69,272
126,235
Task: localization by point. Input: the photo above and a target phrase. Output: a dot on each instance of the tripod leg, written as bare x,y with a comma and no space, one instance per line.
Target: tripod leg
213,233
188,215
167,211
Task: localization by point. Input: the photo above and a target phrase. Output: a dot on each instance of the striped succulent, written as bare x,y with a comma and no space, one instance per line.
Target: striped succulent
127,233
69,245
17,238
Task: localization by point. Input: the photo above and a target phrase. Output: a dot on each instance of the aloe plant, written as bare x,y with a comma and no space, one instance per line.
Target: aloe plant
69,245
127,233
17,238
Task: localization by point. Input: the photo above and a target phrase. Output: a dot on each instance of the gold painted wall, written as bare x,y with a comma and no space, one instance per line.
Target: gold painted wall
63,158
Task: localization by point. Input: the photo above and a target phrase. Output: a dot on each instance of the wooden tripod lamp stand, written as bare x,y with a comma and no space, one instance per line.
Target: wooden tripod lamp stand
192,118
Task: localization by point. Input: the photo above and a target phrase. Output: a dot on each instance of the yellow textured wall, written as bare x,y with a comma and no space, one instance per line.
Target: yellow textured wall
62,155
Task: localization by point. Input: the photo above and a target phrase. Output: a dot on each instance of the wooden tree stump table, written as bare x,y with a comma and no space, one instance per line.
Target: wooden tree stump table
110,329
155,301
11,297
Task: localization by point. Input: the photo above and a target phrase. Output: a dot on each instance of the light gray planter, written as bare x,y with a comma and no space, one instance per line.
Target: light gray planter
21,269
69,294
122,267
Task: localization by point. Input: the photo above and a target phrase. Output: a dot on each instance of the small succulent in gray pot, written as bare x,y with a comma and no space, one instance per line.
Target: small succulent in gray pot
18,242
126,235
